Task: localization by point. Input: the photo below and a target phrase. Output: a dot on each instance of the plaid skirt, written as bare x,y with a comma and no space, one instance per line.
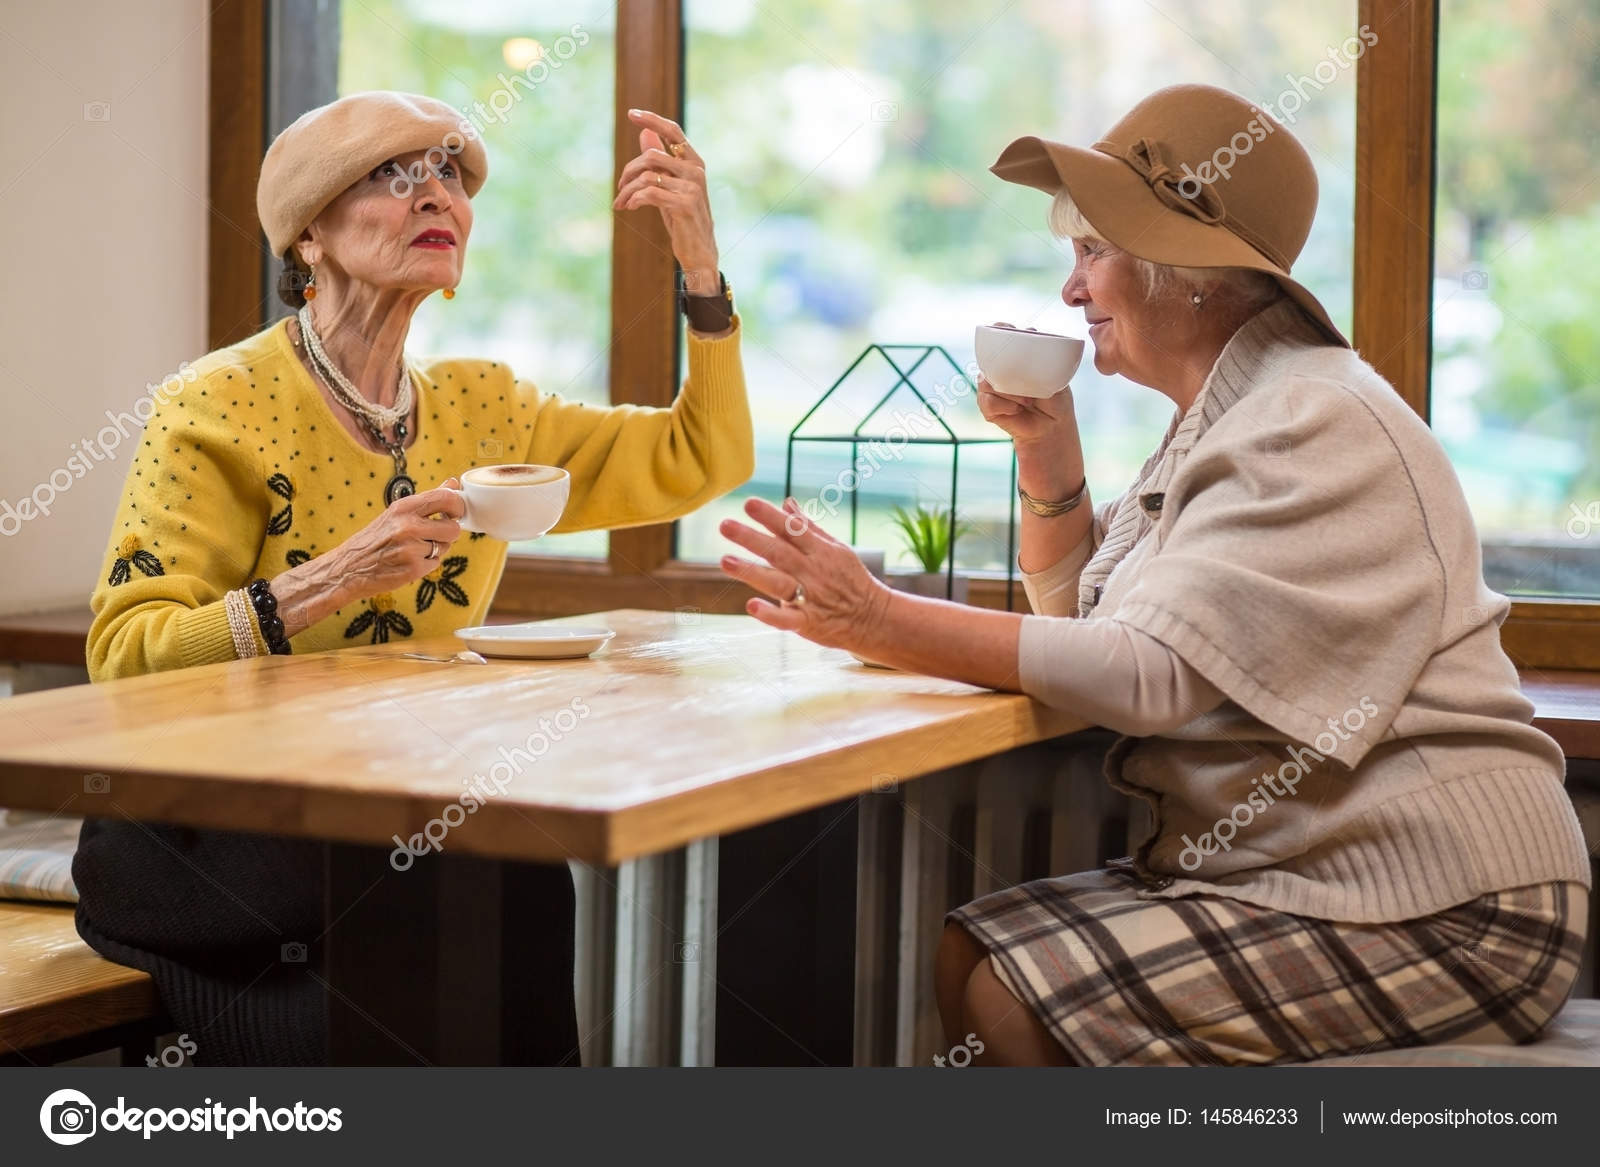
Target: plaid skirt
1204,980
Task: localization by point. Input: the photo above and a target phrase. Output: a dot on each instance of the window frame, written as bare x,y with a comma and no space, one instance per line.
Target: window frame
1392,277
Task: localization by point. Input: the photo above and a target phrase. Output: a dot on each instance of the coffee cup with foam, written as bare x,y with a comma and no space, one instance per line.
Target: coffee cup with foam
513,502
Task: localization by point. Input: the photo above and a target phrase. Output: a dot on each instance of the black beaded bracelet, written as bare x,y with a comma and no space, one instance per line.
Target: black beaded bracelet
266,606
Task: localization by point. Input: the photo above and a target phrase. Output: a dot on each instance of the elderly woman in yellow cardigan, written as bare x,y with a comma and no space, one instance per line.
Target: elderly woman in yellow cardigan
275,505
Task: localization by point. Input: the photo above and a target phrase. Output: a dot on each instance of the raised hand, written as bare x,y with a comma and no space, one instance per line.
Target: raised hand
670,175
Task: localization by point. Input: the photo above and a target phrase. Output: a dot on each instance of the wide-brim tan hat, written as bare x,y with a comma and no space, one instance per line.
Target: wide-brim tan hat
324,151
1192,176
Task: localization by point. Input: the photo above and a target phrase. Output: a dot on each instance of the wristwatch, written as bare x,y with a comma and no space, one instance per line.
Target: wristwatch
708,313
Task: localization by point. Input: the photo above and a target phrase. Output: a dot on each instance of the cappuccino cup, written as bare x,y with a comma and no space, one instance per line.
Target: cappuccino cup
518,501
1021,363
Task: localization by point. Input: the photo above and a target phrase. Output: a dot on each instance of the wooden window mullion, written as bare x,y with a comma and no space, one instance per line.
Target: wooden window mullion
644,311
1395,195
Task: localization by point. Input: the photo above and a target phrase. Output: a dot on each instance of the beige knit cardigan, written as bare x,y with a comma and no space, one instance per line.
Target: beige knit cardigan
1303,542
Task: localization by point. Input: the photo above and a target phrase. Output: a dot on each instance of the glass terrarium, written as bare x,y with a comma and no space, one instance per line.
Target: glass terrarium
907,412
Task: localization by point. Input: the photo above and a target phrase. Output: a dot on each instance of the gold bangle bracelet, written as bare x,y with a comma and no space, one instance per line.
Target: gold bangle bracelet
1051,509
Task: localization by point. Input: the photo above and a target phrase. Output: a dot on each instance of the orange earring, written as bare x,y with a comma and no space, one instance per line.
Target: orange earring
310,292
449,293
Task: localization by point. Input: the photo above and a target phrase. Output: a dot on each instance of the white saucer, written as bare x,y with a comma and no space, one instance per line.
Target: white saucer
535,641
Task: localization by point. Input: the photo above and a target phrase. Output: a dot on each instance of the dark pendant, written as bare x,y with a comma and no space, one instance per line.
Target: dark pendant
398,487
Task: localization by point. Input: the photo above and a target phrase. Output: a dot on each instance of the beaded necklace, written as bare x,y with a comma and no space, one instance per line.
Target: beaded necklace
374,418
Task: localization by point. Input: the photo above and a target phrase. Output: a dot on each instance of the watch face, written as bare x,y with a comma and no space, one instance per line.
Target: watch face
720,292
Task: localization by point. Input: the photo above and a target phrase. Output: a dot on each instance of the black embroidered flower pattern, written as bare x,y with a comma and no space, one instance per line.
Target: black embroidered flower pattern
280,485
475,536
131,554
381,619
298,556
442,581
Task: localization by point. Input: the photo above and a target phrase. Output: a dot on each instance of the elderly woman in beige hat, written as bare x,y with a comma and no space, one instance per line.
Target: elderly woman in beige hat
294,495
1360,840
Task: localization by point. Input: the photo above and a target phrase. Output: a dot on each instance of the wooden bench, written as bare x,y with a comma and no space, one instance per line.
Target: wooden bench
59,999
1572,1039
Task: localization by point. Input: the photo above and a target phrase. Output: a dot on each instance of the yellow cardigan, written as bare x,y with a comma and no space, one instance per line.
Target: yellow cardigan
243,472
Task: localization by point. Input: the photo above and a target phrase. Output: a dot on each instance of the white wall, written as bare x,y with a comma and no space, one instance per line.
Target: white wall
103,263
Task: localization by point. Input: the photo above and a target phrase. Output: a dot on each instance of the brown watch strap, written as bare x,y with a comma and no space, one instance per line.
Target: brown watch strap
711,313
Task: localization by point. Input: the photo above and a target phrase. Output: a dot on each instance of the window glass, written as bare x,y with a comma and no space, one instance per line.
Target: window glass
1516,331
848,146
536,78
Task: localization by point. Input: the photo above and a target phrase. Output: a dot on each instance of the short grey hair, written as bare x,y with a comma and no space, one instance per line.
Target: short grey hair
1249,289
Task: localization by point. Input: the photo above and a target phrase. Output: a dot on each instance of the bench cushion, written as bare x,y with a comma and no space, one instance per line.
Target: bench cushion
36,856
1572,1039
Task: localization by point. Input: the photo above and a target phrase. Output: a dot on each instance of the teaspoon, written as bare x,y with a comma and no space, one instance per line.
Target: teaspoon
466,656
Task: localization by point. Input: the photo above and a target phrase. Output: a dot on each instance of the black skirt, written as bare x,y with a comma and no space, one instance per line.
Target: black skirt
226,924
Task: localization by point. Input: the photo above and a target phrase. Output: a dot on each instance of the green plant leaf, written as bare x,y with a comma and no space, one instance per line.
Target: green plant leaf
927,534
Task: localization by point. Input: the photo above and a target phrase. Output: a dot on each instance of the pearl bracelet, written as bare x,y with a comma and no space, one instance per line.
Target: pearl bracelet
241,623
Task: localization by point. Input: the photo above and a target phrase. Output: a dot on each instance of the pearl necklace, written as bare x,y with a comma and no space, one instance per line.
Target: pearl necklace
349,396
376,418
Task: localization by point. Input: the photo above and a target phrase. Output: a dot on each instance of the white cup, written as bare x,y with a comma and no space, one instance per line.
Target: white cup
1020,363
514,502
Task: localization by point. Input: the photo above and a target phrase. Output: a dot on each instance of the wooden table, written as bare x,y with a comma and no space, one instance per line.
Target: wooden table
685,727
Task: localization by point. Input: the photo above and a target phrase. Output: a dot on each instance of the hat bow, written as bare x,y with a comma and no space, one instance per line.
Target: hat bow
1148,158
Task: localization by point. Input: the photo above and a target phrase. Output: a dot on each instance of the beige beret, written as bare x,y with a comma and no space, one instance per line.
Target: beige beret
327,149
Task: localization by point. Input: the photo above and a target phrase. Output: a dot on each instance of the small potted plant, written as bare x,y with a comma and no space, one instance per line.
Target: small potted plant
929,537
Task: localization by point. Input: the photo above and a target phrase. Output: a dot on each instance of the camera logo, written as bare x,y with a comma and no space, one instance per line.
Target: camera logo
67,1117
1583,522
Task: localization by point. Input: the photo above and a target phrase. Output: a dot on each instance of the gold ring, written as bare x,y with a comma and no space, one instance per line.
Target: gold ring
658,178
433,550
798,600
676,149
